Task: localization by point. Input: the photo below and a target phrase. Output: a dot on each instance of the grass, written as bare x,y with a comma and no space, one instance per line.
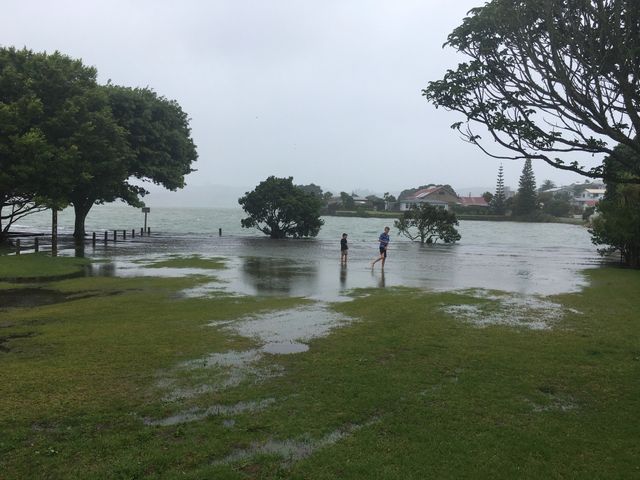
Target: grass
406,391
39,265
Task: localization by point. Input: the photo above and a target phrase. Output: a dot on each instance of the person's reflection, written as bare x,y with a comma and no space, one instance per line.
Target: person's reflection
343,275
381,282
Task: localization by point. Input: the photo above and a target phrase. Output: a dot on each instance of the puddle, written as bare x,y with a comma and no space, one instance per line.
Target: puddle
30,297
288,327
510,310
232,367
194,414
290,450
279,348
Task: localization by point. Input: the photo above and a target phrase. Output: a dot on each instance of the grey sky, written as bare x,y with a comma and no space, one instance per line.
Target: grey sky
325,91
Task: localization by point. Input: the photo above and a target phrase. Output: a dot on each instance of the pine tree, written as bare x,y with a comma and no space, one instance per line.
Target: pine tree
526,200
498,202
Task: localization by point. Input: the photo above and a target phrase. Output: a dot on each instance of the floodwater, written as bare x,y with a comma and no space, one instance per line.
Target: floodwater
539,259
525,258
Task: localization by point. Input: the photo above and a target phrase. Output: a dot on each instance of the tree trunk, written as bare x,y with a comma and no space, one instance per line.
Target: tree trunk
54,232
81,210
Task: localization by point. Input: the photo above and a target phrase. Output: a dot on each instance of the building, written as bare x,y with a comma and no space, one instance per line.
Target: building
441,196
589,197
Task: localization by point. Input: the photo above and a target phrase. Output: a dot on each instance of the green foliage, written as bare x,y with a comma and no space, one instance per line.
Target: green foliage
548,79
526,201
280,209
313,189
617,224
557,204
47,103
158,145
65,139
348,203
428,224
498,202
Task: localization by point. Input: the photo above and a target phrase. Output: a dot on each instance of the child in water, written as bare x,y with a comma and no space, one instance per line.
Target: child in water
344,249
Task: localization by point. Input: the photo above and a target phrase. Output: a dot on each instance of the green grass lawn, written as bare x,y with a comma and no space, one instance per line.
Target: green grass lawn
408,390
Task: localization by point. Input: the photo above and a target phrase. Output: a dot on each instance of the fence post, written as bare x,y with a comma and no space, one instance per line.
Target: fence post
106,237
18,246
124,234
219,232
36,245
133,233
141,232
115,235
148,231
93,239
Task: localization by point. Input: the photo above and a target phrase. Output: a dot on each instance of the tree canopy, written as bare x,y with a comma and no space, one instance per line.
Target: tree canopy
428,224
617,224
526,201
550,80
66,139
279,209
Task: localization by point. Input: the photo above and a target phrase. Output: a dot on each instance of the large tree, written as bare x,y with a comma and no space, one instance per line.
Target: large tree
44,100
65,139
157,148
550,80
428,224
279,209
617,224
526,201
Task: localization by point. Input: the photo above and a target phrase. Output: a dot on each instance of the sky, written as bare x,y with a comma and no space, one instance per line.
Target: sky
328,92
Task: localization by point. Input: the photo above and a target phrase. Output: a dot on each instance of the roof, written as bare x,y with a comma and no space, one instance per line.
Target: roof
473,201
596,191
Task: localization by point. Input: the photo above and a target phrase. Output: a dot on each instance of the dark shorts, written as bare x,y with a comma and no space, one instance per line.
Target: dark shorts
383,251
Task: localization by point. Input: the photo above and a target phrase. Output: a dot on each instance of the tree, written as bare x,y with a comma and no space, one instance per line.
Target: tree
547,185
557,204
526,201
347,200
279,209
46,102
65,139
157,147
498,205
313,189
617,225
550,80
488,197
428,224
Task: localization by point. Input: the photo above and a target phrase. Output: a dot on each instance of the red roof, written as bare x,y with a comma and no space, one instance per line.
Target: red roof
473,201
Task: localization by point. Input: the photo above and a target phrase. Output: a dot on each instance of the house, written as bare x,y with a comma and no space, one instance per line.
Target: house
442,196
589,197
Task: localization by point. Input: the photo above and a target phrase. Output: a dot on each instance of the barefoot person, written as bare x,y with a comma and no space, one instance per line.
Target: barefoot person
384,243
344,249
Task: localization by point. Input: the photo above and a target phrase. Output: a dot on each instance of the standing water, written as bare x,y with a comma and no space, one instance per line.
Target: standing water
526,258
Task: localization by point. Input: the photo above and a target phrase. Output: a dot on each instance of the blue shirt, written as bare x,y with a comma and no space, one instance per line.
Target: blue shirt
384,240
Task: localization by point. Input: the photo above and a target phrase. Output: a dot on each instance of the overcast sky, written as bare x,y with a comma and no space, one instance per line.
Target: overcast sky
327,91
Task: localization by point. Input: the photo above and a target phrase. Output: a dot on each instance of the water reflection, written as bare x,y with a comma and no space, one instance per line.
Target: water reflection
267,275
343,276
